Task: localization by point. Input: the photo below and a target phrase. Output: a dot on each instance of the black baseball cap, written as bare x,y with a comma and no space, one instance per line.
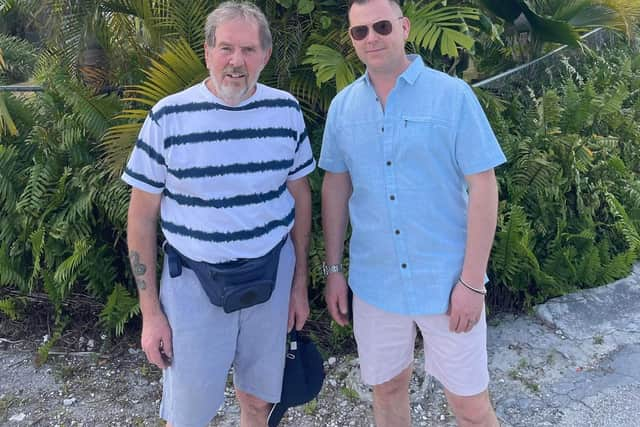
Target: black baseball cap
303,376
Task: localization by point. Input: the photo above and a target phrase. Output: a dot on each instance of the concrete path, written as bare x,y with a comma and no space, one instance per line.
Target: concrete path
577,361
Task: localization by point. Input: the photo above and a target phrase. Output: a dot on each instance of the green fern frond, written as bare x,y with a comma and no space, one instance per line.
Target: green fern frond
329,64
511,252
445,26
8,308
186,19
113,200
9,270
19,57
624,223
101,269
68,269
120,308
619,266
7,125
10,177
40,185
37,240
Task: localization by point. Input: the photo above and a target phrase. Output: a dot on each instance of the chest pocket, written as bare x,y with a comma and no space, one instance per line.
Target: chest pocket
426,147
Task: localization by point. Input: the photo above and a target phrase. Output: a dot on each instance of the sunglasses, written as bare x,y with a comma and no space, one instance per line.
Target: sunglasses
360,32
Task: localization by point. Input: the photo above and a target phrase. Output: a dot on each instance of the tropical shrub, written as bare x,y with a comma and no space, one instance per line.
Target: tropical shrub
570,210
62,218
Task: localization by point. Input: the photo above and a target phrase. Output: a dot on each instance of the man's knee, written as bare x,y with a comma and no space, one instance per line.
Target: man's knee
251,404
397,386
473,410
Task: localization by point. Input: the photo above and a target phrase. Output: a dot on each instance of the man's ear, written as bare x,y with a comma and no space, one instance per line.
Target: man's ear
406,27
267,56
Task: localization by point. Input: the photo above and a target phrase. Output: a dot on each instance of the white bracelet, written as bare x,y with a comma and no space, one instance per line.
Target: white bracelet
471,288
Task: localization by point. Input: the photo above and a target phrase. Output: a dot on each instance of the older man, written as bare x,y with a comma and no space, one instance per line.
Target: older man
223,166
409,157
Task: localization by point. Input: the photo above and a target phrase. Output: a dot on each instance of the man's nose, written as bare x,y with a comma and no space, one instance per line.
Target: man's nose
372,36
237,58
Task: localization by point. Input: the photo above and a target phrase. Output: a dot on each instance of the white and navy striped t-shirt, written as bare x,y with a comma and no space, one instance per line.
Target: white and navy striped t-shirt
222,170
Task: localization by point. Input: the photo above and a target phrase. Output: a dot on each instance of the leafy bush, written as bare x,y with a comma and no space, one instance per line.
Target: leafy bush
570,211
19,59
62,218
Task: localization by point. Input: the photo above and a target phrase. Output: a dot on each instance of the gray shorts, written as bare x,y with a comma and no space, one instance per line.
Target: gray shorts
207,342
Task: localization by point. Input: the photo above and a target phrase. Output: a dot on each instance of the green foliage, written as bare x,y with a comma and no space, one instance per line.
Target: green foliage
61,216
8,308
120,308
446,27
570,219
18,57
45,348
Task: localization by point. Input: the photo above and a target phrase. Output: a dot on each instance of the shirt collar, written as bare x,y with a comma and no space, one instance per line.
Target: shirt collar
410,75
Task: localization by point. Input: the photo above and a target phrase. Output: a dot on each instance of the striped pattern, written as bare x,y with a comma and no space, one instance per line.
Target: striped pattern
253,134
235,168
143,178
226,202
222,171
214,106
216,236
153,154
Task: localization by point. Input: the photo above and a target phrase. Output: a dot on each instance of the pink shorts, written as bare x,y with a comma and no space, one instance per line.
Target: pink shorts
386,343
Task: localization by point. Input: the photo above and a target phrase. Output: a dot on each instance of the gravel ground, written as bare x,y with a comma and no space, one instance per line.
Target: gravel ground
92,389
575,364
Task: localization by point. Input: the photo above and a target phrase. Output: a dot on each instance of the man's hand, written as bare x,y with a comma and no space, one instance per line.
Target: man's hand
465,309
335,295
298,303
156,340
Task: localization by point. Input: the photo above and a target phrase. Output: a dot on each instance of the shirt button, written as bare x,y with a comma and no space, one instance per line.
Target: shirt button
388,162
392,197
397,231
404,265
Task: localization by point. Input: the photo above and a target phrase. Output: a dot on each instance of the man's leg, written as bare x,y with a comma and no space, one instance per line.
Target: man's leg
385,348
253,411
261,348
391,401
204,344
472,411
459,362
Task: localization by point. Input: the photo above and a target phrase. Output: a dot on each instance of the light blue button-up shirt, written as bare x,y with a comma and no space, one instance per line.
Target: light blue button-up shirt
407,163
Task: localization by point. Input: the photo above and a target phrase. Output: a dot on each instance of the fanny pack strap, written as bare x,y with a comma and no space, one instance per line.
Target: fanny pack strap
176,260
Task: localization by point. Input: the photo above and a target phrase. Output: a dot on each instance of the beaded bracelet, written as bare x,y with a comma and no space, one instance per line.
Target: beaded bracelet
471,288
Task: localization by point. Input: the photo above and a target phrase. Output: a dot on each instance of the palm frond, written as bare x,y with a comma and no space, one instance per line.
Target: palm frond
446,26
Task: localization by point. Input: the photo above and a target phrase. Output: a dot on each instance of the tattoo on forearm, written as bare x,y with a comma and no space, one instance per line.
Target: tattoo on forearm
138,269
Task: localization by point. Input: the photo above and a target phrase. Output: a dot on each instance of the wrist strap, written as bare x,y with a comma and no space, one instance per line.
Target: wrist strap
471,288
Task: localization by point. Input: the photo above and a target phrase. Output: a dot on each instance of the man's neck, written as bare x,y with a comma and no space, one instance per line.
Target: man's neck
383,81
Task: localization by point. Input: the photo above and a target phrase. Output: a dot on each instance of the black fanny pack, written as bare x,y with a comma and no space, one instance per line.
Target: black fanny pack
235,284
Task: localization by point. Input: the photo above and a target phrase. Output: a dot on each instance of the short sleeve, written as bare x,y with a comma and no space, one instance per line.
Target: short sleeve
331,158
303,161
146,168
477,148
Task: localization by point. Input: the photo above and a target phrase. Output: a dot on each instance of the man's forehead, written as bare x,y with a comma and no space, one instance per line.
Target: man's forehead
373,11
238,30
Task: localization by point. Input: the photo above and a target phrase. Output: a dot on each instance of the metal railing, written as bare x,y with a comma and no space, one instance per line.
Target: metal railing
21,88
594,39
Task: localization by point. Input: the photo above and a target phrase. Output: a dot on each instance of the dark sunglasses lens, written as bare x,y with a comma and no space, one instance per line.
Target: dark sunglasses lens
359,32
382,27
